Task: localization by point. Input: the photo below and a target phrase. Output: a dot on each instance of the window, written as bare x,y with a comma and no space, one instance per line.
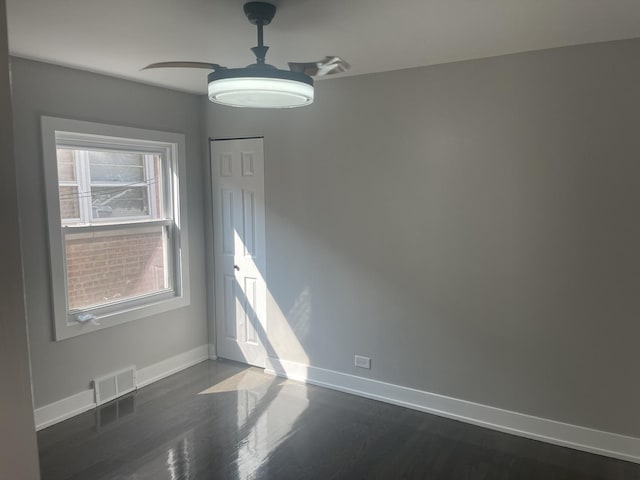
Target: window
116,223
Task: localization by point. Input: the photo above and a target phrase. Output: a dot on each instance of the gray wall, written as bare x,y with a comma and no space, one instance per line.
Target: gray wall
18,449
473,227
63,368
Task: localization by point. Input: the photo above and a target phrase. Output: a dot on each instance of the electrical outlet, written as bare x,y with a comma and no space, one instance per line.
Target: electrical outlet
362,362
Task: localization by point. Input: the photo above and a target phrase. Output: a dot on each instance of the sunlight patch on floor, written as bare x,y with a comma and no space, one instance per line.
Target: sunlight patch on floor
244,380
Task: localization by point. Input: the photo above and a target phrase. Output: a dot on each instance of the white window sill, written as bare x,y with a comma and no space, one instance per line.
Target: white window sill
75,328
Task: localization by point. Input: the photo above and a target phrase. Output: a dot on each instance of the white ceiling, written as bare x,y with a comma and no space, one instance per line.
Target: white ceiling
118,37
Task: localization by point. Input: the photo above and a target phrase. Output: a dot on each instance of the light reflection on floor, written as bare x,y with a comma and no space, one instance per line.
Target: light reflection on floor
262,423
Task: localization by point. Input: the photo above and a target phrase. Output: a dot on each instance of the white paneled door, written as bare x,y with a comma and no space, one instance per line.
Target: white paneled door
237,169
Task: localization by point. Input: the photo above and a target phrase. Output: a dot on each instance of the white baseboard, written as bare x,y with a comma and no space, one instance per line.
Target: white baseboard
551,431
172,365
81,402
212,352
62,409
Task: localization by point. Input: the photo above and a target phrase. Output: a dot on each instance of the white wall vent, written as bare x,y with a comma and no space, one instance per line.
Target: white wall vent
114,385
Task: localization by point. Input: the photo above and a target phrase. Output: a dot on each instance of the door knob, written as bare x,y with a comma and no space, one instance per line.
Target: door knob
236,267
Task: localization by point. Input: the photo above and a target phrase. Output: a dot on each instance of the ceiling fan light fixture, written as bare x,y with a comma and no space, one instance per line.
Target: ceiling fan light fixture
260,87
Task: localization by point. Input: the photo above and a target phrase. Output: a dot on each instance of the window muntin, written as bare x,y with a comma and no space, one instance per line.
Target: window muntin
117,223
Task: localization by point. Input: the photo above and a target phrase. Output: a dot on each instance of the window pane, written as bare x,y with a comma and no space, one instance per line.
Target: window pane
66,165
118,167
69,204
118,202
113,266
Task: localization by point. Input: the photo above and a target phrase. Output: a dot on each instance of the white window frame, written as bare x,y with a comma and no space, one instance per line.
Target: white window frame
95,136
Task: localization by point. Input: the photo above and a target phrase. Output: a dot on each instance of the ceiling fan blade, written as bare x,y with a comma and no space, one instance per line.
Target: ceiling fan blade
327,66
207,66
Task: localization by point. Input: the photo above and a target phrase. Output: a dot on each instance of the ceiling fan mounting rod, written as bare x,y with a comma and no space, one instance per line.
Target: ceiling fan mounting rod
261,50
260,14
260,35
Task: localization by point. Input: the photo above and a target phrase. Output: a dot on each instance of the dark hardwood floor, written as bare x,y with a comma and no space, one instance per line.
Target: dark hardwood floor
222,420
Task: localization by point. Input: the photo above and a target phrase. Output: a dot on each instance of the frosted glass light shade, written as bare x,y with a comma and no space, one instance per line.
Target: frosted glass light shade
260,92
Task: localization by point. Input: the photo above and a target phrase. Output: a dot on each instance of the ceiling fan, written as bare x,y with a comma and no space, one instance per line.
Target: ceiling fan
261,85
